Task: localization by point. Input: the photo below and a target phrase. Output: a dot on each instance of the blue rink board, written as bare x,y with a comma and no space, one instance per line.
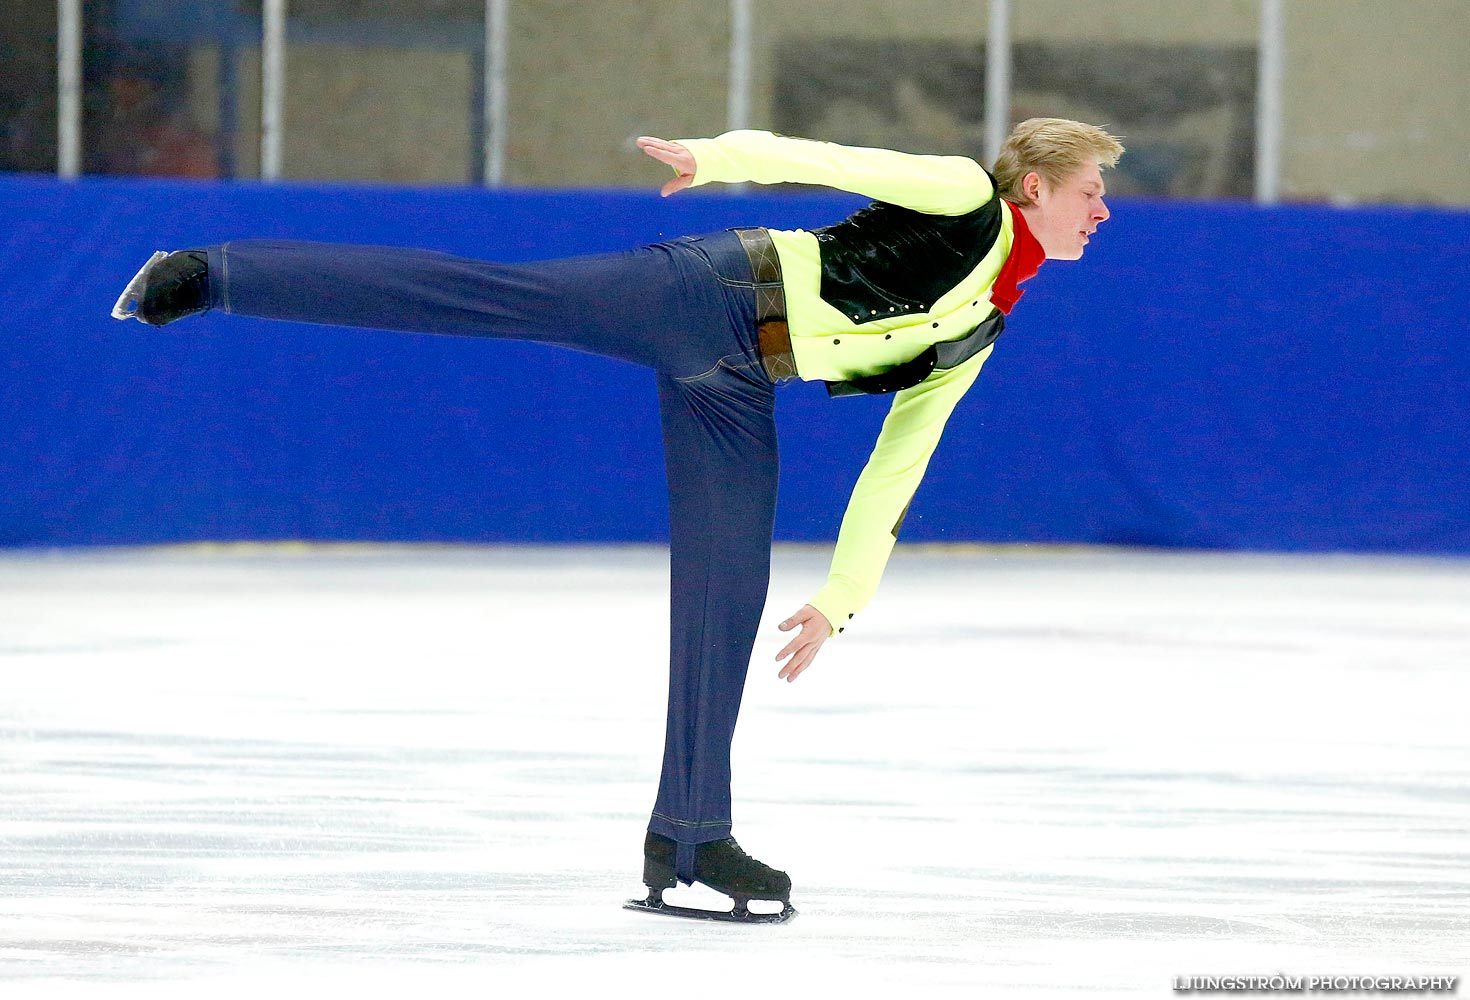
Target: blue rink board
1218,376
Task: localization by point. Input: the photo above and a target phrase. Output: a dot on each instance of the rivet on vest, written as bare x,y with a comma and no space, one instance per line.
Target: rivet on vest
936,326
836,340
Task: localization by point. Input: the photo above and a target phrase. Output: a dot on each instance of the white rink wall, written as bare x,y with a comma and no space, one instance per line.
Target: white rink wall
1021,772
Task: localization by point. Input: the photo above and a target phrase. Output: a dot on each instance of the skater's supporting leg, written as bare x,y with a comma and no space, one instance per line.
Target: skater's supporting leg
721,456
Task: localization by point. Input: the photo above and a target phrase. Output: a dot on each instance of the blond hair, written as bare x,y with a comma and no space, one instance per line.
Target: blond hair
1055,148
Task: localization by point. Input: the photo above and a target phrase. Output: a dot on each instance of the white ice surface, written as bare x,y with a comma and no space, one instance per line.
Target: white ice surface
426,772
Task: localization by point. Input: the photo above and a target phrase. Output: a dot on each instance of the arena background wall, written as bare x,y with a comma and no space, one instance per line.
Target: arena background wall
1211,375
376,90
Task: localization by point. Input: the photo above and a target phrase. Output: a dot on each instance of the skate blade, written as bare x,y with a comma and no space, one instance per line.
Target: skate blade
738,915
127,302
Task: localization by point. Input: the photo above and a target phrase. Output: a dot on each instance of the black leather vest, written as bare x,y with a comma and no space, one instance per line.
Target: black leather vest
885,261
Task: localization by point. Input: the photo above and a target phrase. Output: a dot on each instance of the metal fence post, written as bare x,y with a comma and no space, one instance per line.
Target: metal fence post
69,88
997,78
272,87
497,18
737,105
1271,59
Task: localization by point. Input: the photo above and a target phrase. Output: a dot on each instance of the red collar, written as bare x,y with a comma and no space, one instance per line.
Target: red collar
1025,259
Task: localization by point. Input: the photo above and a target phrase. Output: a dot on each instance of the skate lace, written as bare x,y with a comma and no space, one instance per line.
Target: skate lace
741,855
184,283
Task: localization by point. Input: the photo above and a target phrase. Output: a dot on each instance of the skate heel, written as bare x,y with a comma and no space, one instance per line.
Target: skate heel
127,302
658,875
659,857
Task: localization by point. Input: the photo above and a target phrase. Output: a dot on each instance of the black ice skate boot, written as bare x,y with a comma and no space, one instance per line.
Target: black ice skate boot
722,866
170,286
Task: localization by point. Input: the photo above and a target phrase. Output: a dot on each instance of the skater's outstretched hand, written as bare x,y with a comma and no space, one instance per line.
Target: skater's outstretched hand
803,648
674,155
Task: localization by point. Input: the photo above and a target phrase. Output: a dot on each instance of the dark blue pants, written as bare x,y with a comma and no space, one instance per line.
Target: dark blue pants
686,309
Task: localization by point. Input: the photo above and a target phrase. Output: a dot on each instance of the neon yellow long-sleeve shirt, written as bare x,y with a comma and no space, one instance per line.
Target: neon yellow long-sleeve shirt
831,345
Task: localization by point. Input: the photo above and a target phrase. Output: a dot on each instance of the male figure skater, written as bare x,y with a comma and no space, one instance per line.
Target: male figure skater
905,297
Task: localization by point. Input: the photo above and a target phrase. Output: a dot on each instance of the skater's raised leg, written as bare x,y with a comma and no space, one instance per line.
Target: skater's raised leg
657,306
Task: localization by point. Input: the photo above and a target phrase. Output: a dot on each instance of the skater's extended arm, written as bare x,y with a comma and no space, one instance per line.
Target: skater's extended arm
938,185
881,498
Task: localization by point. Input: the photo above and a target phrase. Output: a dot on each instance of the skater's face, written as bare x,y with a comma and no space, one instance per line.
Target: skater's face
1064,216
